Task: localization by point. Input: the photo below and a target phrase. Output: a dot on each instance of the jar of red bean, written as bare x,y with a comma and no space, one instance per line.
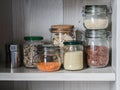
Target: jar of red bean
97,48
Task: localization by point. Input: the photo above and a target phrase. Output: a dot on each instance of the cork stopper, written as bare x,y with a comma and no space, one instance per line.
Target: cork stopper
62,28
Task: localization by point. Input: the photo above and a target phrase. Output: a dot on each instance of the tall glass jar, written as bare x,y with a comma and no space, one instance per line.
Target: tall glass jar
31,50
50,59
97,48
62,33
96,17
73,55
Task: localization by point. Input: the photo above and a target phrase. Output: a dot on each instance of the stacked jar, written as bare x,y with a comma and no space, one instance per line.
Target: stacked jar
61,34
96,21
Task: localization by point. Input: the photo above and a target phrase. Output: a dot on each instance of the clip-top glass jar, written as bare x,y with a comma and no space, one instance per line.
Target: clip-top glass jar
62,33
31,50
73,55
96,17
97,48
50,59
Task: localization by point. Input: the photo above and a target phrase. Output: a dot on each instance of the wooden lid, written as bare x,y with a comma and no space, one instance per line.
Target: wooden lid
62,28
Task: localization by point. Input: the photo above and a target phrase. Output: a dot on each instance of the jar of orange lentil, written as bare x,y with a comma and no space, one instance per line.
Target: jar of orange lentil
50,59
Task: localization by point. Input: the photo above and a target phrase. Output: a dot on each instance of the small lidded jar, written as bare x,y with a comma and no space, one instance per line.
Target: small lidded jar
73,55
31,50
96,17
62,33
50,59
97,48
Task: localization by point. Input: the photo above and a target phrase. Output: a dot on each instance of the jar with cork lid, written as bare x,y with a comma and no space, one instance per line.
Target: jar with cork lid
62,33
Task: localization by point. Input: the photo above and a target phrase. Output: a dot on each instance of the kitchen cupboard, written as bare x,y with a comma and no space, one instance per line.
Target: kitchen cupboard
34,17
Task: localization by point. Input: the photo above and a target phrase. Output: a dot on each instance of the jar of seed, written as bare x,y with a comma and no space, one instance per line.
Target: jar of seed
31,50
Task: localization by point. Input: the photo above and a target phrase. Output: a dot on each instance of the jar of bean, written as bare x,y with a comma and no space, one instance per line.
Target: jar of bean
97,48
31,50
50,59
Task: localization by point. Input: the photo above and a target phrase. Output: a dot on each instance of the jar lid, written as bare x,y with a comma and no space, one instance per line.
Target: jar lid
62,28
95,9
73,43
96,33
28,38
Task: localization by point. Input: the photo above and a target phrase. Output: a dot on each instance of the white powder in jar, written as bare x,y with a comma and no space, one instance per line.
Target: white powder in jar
96,23
73,60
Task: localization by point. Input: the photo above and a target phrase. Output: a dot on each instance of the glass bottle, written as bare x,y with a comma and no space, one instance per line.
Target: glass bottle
97,48
31,50
50,59
73,55
96,17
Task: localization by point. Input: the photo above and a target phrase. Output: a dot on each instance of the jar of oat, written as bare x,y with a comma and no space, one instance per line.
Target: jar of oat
96,17
73,55
62,33
50,59
97,48
31,50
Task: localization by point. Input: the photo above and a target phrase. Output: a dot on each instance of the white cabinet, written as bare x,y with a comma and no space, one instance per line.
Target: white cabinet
34,17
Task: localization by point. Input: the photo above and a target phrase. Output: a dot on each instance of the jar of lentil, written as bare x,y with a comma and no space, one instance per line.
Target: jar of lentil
31,50
97,48
50,59
96,17
73,55
62,33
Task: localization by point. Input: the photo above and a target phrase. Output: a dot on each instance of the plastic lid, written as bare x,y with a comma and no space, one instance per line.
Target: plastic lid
33,38
73,43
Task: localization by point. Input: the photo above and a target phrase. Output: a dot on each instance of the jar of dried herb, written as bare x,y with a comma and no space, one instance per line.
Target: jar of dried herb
97,48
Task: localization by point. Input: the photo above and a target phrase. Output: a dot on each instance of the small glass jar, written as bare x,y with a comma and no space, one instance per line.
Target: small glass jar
96,17
62,33
31,50
50,59
73,55
97,48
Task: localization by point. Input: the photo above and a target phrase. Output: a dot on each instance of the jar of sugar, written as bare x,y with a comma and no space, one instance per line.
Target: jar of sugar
96,17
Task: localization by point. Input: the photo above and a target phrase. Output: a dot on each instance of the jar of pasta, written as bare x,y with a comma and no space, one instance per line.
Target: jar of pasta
73,55
31,50
62,33
50,59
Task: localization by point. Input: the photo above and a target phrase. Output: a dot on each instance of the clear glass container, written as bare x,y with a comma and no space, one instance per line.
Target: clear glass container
96,17
73,55
31,50
50,59
97,48
62,33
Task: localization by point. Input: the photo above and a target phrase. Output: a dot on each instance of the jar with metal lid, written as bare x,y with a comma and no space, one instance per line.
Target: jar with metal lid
31,50
62,33
96,17
97,48
50,59
73,55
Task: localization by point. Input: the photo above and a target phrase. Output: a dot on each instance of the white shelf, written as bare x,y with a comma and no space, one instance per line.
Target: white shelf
90,74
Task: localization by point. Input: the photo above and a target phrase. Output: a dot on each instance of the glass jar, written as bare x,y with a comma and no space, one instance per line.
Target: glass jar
97,48
96,17
62,33
73,55
50,59
31,50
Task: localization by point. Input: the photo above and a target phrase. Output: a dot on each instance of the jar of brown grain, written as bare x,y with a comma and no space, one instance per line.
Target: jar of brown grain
97,48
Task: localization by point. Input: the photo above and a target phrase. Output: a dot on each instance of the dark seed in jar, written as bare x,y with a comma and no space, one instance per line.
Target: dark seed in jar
97,55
